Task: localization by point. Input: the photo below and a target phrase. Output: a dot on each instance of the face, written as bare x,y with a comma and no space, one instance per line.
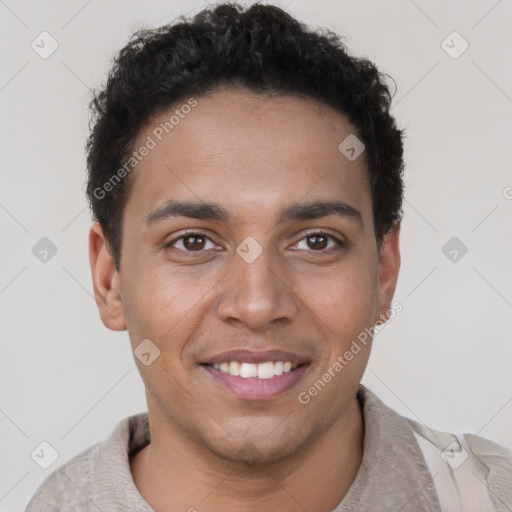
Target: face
248,244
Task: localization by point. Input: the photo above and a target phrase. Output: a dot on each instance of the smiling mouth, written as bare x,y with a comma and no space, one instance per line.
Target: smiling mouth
257,381
265,370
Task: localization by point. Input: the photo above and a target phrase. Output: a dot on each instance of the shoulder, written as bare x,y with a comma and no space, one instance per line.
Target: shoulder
472,469
98,476
493,455
466,470
70,485
489,451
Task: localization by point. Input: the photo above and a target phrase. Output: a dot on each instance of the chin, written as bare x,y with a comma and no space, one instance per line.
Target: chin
255,451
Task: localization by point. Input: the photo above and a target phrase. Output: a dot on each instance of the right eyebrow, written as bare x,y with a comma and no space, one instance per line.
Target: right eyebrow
192,209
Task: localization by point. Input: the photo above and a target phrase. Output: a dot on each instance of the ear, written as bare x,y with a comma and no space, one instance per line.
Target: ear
389,266
106,282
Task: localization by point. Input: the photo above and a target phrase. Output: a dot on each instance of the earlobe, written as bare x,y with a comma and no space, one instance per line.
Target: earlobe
106,281
389,266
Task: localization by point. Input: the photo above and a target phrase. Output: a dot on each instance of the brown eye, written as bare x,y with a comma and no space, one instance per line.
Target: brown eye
190,242
194,242
317,242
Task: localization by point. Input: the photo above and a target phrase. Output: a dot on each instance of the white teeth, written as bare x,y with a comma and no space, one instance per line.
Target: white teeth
248,370
265,370
234,368
278,368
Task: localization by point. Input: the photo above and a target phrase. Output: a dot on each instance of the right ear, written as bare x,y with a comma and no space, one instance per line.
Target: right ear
105,278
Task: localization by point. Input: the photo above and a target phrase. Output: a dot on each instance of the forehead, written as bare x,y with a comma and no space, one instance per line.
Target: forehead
242,148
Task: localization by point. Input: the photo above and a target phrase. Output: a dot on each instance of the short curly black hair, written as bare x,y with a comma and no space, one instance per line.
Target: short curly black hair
261,49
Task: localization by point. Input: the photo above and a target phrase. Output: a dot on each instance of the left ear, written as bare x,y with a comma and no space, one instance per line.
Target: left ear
389,266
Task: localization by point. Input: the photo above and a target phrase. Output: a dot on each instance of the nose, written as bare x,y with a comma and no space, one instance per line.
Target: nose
257,295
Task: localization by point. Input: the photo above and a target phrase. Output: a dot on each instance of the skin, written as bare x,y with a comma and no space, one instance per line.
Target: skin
254,155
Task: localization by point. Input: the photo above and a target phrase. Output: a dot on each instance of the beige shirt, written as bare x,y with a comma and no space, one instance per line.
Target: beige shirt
393,475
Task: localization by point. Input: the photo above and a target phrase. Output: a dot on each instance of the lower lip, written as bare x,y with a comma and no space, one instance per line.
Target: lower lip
258,389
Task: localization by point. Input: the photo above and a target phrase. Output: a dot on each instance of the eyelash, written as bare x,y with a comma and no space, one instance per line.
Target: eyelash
189,234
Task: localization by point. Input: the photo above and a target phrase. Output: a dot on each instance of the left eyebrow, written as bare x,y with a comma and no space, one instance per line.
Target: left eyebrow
319,209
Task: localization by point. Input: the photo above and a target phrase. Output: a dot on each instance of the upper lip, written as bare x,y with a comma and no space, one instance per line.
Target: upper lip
249,356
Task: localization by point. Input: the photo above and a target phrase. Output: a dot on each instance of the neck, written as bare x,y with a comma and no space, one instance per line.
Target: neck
177,476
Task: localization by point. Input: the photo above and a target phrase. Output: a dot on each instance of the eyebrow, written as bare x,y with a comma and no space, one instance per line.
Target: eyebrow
211,211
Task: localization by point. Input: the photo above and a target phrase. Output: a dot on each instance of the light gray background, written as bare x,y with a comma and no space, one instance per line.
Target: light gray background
444,360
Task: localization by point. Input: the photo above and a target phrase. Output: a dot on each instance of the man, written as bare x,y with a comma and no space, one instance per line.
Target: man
245,178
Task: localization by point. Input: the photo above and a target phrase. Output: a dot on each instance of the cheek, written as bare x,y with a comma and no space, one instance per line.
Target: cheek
164,305
344,297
